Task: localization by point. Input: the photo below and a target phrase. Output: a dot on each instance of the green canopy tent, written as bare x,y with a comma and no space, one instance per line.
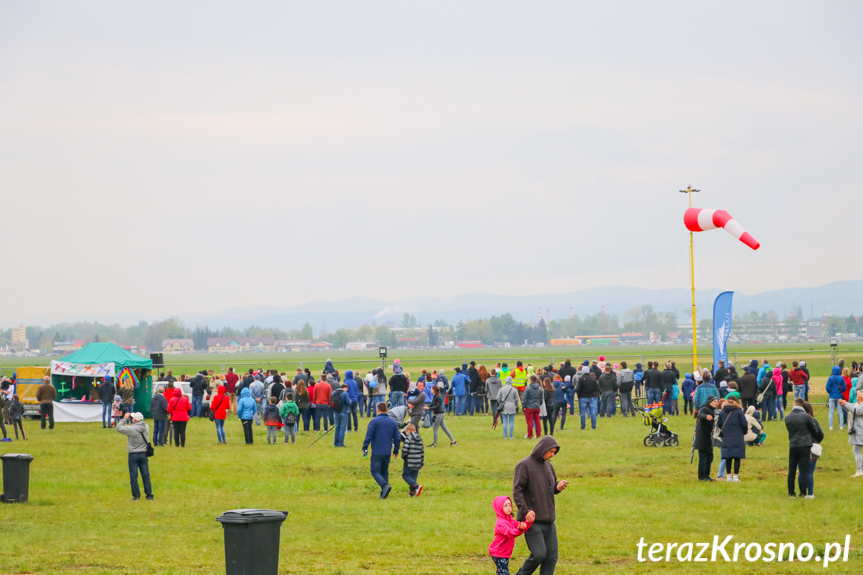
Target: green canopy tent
86,368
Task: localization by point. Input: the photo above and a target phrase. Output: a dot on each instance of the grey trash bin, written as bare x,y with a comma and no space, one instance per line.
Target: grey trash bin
252,540
16,477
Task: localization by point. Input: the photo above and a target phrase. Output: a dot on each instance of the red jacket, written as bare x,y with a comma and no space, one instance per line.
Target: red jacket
220,403
798,376
179,407
231,380
322,393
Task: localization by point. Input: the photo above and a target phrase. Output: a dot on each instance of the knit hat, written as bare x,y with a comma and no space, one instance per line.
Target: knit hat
711,399
586,362
118,398
601,358
567,378
137,416
802,364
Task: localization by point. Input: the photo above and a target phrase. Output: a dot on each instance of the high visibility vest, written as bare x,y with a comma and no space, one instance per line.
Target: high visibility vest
519,378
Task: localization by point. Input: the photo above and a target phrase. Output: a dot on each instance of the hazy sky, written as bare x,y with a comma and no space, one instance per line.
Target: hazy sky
172,157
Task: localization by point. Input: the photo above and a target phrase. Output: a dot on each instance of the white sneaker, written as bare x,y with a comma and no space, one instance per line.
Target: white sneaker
729,478
858,474
831,429
810,497
736,478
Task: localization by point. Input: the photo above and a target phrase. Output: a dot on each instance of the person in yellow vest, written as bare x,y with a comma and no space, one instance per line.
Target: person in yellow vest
519,379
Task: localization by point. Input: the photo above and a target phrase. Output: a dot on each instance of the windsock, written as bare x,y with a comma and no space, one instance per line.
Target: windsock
698,220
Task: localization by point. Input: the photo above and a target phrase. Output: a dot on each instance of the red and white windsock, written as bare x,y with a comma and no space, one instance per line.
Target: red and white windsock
698,220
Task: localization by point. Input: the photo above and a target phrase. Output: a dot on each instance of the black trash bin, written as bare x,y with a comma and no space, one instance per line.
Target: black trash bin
16,477
252,540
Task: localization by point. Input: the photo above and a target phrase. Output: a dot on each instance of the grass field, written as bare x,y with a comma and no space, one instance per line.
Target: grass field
817,356
80,519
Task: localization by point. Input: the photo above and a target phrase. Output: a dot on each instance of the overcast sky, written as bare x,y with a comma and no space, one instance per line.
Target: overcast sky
175,157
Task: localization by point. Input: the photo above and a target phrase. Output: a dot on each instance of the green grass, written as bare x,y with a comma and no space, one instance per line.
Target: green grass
80,519
817,356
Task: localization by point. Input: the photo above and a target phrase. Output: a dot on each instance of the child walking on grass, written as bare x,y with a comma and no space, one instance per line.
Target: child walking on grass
505,531
290,413
273,420
413,455
117,409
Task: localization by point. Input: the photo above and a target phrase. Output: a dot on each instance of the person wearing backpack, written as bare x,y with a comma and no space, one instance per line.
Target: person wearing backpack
137,432
354,394
340,404
290,413
638,376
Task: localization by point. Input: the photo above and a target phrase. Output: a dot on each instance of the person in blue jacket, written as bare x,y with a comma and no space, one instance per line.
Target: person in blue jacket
688,390
247,408
638,372
328,368
383,436
353,393
835,392
560,388
459,386
765,369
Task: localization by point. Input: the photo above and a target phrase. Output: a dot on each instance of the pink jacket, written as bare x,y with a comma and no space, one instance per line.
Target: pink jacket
505,531
777,379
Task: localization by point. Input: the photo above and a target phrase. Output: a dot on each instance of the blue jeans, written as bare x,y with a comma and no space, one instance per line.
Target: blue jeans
799,391
508,423
721,471
159,431
138,462
810,477
397,398
353,413
322,411
106,414
197,402
834,404
461,404
220,430
380,467
362,400
768,408
341,423
654,396
376,399
585,406
609,407
410,476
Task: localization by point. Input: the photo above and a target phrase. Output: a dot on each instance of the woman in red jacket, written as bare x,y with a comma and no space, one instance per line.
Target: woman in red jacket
219,406
179,408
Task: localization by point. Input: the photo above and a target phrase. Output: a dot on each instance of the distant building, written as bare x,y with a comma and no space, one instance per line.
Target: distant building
321,346
292,345
361,346
468,344
178,346
240,344
19,338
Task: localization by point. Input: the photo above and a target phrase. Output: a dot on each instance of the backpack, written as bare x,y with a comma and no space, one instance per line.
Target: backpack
291,419
639,375
336,401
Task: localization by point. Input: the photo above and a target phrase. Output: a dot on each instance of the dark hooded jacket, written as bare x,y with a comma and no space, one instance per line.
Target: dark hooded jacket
704,429
328,368
535,483
567,369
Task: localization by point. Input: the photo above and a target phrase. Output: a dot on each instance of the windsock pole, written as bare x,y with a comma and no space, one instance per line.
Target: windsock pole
688,191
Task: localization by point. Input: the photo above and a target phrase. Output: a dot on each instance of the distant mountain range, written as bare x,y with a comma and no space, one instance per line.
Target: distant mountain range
839,298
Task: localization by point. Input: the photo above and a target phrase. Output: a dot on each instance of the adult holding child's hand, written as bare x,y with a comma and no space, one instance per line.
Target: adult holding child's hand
534,486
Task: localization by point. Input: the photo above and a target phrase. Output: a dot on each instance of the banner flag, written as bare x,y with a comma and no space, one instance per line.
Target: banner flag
721,327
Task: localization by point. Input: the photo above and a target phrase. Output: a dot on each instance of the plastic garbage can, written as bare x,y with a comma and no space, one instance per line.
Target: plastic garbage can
16,477
252,540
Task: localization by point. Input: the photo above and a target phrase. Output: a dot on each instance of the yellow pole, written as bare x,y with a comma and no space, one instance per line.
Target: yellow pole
692,285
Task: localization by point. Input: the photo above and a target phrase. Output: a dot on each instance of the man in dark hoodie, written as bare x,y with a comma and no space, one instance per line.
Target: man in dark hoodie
567,369
669,378
749,384
653,384
533,489
608,387
107,391
587,391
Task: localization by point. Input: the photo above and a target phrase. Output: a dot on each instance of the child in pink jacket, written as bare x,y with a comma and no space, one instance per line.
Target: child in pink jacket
505,531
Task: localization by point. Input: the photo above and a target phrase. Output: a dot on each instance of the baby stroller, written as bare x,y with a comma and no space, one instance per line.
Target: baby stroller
659,435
